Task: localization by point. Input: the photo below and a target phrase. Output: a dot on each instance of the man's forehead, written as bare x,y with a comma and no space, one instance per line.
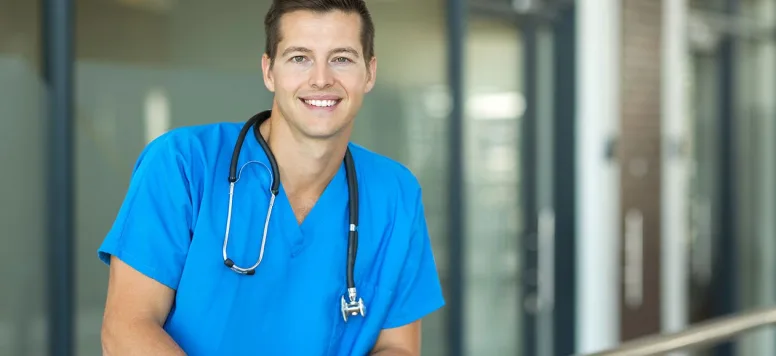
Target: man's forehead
335,15
310,31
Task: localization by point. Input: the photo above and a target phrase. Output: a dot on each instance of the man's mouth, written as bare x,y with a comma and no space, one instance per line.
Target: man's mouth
321,102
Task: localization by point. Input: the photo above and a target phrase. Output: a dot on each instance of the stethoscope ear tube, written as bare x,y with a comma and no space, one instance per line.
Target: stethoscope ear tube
238,147
275,185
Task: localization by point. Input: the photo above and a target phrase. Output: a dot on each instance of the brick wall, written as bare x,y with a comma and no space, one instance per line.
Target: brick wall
639,155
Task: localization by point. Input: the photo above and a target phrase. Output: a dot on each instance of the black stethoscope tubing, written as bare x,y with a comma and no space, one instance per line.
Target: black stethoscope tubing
353,307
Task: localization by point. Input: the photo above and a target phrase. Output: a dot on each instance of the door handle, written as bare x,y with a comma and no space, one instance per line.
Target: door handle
542,276
546,259
633,270
546,288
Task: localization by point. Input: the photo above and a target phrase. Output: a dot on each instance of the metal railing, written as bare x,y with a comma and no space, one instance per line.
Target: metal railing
697,336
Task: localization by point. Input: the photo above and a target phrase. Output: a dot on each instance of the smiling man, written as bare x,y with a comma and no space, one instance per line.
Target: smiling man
276,236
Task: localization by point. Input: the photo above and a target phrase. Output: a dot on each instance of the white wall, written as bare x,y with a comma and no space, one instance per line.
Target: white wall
674,209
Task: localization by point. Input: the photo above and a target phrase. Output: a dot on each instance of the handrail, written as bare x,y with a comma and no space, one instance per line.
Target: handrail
701,334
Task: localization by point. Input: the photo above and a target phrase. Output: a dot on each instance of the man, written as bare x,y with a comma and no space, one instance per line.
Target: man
173,289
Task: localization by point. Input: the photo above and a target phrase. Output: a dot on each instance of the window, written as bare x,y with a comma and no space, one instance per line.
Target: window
23,317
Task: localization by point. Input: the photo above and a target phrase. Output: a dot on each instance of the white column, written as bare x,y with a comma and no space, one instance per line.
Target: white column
674,199
597,178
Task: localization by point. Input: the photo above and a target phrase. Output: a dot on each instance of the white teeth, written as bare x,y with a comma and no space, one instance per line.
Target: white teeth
321,103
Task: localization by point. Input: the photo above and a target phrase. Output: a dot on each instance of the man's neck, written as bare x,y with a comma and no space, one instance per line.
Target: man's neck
306,166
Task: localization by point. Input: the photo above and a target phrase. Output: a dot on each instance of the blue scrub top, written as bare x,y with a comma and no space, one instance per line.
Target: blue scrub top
171,228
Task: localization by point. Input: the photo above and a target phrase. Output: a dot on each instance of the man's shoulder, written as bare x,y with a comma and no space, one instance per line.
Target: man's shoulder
192,148
203,134
186,142
388,172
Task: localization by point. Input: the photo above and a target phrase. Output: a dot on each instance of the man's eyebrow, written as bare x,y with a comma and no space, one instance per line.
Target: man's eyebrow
306,50
350,50
295,49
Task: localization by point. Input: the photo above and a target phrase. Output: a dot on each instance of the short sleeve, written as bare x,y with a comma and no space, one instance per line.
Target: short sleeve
419,291
151,232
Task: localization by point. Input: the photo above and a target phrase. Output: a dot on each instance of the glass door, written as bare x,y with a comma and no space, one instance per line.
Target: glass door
510,142
706,92
537,186
494,107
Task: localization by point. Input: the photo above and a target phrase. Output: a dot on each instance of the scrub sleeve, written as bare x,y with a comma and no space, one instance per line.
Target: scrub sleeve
152,230
419,291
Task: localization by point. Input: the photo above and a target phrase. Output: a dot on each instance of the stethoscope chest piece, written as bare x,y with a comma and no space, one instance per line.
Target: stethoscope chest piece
352,307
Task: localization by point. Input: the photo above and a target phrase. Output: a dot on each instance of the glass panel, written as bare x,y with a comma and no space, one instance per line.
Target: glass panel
756,163
544,188
23,318
144,67
494,105
703,185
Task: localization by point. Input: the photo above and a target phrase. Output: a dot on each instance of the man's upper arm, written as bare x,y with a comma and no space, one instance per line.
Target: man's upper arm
133,296
418,292
151,233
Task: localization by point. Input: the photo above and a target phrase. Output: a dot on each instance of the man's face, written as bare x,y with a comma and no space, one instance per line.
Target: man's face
319,75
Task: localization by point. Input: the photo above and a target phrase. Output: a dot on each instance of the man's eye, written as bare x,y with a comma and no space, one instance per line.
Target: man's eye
342,60
297,59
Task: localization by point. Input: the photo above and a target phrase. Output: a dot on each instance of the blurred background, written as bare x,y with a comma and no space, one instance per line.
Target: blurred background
594,171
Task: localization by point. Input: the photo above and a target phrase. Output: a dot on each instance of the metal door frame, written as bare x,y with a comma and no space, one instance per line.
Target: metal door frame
58,32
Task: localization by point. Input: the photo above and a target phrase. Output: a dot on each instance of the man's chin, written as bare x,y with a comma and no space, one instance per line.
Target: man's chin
317,125
322,134
321,130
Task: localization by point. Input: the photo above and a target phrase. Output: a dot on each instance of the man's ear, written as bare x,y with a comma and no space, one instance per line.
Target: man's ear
266,68
371,74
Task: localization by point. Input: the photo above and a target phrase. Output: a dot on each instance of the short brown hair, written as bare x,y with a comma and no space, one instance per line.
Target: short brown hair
281,7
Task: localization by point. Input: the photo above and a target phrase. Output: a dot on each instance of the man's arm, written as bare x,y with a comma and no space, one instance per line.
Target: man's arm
146,249
401,341
135,311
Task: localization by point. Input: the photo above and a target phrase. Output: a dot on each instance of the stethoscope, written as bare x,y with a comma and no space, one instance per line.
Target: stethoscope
351,307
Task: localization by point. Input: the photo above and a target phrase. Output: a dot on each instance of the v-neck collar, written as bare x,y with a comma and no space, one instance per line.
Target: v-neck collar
330,204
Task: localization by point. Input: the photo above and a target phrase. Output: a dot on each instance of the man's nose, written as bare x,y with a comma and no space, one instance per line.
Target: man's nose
321,76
